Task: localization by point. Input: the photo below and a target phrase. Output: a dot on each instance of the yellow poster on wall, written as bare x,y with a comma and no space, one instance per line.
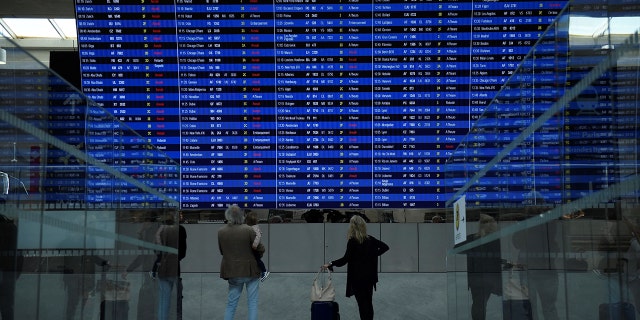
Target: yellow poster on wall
460,220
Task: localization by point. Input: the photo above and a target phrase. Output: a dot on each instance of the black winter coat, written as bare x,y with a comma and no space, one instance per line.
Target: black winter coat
362,260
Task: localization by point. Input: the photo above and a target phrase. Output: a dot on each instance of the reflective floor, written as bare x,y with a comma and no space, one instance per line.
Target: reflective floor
283,296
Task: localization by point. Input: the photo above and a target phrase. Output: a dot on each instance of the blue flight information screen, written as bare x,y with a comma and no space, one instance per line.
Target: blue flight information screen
304,103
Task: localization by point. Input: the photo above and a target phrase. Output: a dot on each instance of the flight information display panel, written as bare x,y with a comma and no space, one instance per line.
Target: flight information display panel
303,103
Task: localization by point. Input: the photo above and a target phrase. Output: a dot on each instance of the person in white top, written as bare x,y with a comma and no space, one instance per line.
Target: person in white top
252,220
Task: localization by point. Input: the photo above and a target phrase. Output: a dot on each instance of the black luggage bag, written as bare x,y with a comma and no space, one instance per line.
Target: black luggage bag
517,310
114,310
617,311
325,310
114,296
617,278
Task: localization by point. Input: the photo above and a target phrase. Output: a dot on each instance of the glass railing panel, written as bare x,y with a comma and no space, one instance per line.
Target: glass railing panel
82,198
562,181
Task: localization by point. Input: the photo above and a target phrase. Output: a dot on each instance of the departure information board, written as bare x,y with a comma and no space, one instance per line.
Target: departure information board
303,103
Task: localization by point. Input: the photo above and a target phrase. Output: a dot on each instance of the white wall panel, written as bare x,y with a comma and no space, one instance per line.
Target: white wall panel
296,247
203,254
304,247
434,240
403,254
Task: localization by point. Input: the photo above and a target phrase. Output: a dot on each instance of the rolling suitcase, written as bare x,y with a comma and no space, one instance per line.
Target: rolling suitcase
323,305
325,310
114,295
617,311
114,309
618,307
517,310
516,304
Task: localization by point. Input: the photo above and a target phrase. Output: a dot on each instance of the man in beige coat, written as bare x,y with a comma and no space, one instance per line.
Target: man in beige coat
238,266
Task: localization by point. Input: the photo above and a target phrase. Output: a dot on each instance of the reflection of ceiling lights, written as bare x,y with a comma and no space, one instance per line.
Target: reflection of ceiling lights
3,56
19,28
602,26
34,28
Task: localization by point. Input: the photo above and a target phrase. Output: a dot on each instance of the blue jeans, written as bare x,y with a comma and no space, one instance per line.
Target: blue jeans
164,298
235,290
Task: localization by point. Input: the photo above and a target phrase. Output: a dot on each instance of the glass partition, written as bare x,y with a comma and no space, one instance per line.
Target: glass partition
544,189
81,199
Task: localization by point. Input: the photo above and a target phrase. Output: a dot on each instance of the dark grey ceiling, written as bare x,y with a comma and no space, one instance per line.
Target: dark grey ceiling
37,9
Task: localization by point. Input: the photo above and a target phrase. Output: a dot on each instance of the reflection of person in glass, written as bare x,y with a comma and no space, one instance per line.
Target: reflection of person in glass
147,297
182,252
79,279
484,268
10,266
633,263
169,266
537,247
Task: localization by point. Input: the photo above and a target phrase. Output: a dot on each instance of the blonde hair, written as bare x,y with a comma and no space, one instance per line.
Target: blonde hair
357,229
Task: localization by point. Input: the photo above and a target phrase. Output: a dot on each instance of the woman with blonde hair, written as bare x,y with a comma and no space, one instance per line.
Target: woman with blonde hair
361,256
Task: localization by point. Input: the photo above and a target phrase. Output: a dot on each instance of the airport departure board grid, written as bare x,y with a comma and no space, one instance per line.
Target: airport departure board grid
302,103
